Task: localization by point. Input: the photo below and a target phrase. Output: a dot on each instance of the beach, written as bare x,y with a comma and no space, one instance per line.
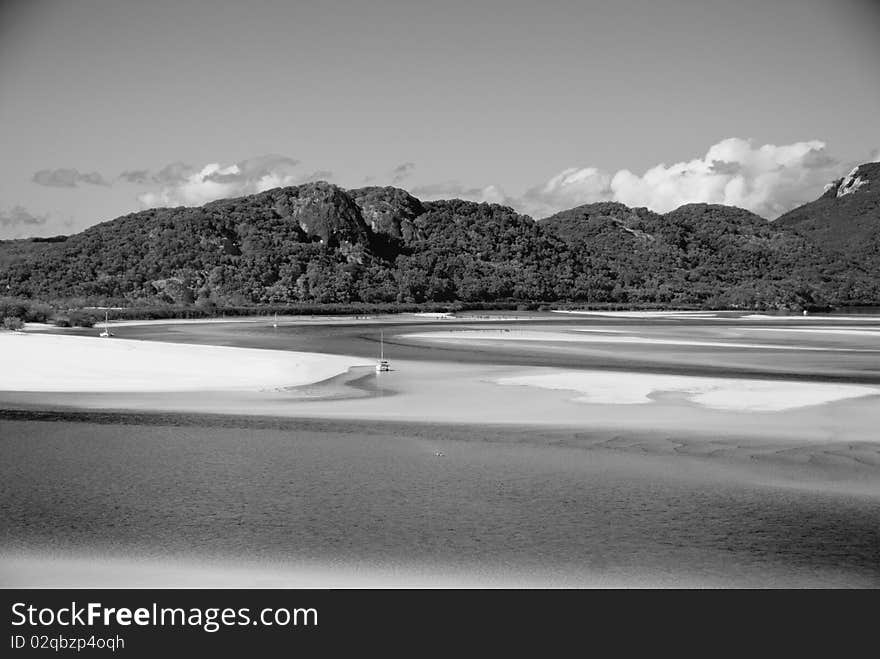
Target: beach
621,388
40,362
243,453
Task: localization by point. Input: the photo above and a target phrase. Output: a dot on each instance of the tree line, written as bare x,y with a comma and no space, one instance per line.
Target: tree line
318,245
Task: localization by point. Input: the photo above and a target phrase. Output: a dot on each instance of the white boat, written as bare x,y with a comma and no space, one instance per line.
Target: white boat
275,324
382,364
106,333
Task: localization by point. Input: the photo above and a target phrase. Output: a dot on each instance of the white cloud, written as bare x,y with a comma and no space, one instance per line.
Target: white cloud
66,178
18,222
767,180
183,185
568,188
491,194
402,172
18,215
136,176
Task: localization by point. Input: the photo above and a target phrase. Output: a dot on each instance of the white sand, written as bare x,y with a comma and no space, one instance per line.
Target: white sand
578,335
39,362
38,327
714,315
266,320
622,388
621,337
243,320
873,332
435,315
645,314
810,318
36,569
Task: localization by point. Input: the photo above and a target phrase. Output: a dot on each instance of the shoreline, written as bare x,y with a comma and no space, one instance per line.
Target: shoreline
301,484
612,336
411,317
76,364
97,569
469,315
91,373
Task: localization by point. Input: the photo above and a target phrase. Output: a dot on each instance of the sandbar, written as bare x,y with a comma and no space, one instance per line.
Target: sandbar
622,388
582,335
40,362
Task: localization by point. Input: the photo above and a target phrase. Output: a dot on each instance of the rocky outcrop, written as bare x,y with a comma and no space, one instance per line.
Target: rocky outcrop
324,211
389,211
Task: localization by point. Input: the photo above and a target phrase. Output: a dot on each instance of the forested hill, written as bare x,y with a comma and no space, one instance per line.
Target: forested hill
318,243
846,218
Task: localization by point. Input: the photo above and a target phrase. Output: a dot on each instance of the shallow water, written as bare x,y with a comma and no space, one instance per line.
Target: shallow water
523,505
831,357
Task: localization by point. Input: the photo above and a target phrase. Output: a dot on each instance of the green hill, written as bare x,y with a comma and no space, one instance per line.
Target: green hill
846,219
703,252
318,243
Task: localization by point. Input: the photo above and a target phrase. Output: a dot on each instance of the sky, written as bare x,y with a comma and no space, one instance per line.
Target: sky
111,106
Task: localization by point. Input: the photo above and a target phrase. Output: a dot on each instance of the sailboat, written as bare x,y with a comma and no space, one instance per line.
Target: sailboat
382,364
106,333
275,324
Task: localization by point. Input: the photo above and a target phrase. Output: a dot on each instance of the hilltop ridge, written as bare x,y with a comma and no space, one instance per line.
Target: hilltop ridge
319,243
846,218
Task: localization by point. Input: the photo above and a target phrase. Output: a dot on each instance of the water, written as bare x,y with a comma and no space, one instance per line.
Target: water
660,494
526,505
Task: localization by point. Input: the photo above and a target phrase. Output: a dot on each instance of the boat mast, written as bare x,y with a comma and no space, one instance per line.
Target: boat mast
381,345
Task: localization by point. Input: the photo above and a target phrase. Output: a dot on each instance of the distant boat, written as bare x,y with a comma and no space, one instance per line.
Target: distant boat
382,364
106,333
275,324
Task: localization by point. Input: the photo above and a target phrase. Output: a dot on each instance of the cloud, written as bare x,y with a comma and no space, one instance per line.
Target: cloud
18,222
454,190
767,180
402,172
570,187
93,178
136,176
67,178
174,173
19,215
184,185
319,175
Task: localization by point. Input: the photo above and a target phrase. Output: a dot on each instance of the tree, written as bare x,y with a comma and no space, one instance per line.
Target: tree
12,323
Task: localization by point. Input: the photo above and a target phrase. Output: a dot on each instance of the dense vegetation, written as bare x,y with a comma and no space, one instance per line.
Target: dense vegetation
714,255
846,218
316,245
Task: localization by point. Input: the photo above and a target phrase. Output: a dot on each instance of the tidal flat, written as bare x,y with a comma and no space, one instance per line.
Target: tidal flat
439,474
